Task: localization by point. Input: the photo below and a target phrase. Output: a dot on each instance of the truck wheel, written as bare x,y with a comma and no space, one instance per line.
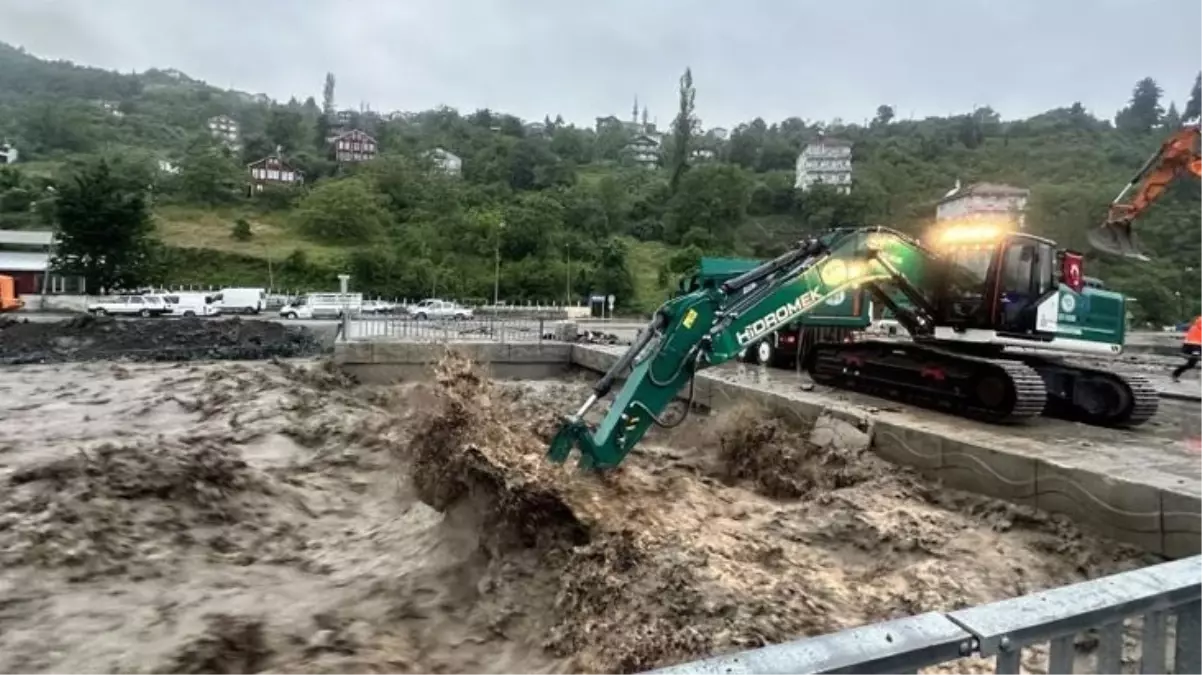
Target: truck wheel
765,353
290,315
189,313
144,313
420,316
99,312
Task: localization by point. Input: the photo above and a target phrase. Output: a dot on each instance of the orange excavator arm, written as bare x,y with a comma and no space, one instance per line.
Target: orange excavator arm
1177,158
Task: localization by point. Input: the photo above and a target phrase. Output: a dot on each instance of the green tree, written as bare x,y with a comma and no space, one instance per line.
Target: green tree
612,275
241,230
1193,109
105,232
286,129
683,129
322,130
342,212
1144,111
208,175
884,115
709,206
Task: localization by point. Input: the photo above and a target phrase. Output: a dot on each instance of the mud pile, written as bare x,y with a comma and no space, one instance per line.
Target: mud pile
88,338
765,533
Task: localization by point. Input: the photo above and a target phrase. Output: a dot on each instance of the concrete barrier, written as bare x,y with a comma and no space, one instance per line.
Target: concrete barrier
55,303
388,362
1132,494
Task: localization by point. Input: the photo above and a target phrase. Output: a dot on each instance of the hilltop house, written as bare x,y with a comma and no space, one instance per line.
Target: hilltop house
8,153
272,170
354,146
445,161
994,201
826,161
226,129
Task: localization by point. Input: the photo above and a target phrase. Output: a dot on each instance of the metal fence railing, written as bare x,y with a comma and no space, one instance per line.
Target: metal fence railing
411,329
1158,601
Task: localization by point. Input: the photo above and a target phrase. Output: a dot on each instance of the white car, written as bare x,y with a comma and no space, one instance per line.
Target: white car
378,307
189,304
323,306
440,309
130,305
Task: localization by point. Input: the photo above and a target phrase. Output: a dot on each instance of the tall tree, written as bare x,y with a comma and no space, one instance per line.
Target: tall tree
1144,111
1172,118
1193,109
327,113
105,233
682,130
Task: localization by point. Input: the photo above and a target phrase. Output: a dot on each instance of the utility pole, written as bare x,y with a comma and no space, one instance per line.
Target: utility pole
568,298
496,281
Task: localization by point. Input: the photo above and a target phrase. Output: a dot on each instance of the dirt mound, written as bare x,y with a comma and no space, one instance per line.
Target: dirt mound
669,558
104,509
88,338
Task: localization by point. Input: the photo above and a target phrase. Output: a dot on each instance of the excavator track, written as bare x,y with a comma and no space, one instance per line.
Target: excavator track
1093,396
991,390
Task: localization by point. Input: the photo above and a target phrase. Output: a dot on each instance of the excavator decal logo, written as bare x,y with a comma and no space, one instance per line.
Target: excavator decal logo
781,316
689,317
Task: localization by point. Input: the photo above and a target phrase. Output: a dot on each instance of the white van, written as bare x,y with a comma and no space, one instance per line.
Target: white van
323,306
240,300
189,304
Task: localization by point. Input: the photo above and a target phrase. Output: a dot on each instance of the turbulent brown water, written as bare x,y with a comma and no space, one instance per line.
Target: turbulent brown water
268,516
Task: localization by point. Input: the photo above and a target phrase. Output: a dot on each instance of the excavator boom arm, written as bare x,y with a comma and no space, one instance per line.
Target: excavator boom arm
709,327
1178,157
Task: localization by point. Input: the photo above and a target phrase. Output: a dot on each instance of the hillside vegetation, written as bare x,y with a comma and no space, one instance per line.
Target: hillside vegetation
561,206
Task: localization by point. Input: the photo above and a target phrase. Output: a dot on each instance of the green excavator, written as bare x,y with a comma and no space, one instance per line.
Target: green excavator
991,313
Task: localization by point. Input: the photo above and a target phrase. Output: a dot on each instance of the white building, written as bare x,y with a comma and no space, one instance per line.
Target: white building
644,150
992,201
446,161
225,129
8,153
720,133
826,161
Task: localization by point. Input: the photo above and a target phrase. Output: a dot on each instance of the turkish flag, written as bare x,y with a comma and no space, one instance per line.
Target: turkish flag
1070,271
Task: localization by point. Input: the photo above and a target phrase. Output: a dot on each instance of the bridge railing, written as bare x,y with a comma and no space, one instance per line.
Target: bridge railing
412,329
1163,601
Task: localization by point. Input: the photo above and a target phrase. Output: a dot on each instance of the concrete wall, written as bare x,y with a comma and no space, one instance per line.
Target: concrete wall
55,303
388,362
1141,505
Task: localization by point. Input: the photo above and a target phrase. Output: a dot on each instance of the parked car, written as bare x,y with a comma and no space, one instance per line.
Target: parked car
189,304
378,307
439,309
130,305
323,306
240,300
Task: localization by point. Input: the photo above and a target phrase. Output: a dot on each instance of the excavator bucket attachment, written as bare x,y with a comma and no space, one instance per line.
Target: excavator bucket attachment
1116,238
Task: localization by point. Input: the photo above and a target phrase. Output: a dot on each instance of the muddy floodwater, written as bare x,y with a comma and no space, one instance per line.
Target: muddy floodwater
244,517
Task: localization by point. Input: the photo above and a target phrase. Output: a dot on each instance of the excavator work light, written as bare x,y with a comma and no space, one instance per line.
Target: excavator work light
970,234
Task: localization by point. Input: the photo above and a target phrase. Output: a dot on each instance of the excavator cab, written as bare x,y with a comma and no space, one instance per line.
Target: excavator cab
996,281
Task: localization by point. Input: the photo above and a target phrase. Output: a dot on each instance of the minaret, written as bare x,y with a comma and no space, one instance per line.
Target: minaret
644,117
634,112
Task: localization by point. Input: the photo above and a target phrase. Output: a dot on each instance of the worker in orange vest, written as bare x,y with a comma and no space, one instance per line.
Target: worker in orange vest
1191,348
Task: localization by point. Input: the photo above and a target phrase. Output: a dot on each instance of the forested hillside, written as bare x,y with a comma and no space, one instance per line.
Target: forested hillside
561,205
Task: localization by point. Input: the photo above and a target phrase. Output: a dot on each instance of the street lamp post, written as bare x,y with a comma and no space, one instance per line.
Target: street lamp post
496,280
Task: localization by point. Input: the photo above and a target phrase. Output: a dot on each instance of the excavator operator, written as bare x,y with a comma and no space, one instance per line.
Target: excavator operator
1191,348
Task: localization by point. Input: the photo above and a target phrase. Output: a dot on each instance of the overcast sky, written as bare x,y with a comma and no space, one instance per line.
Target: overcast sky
581,59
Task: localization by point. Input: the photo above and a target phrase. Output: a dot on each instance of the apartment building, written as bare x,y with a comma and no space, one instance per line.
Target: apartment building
826,161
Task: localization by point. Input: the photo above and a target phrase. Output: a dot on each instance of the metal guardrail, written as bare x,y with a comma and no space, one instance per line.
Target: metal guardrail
410,329
1155,596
